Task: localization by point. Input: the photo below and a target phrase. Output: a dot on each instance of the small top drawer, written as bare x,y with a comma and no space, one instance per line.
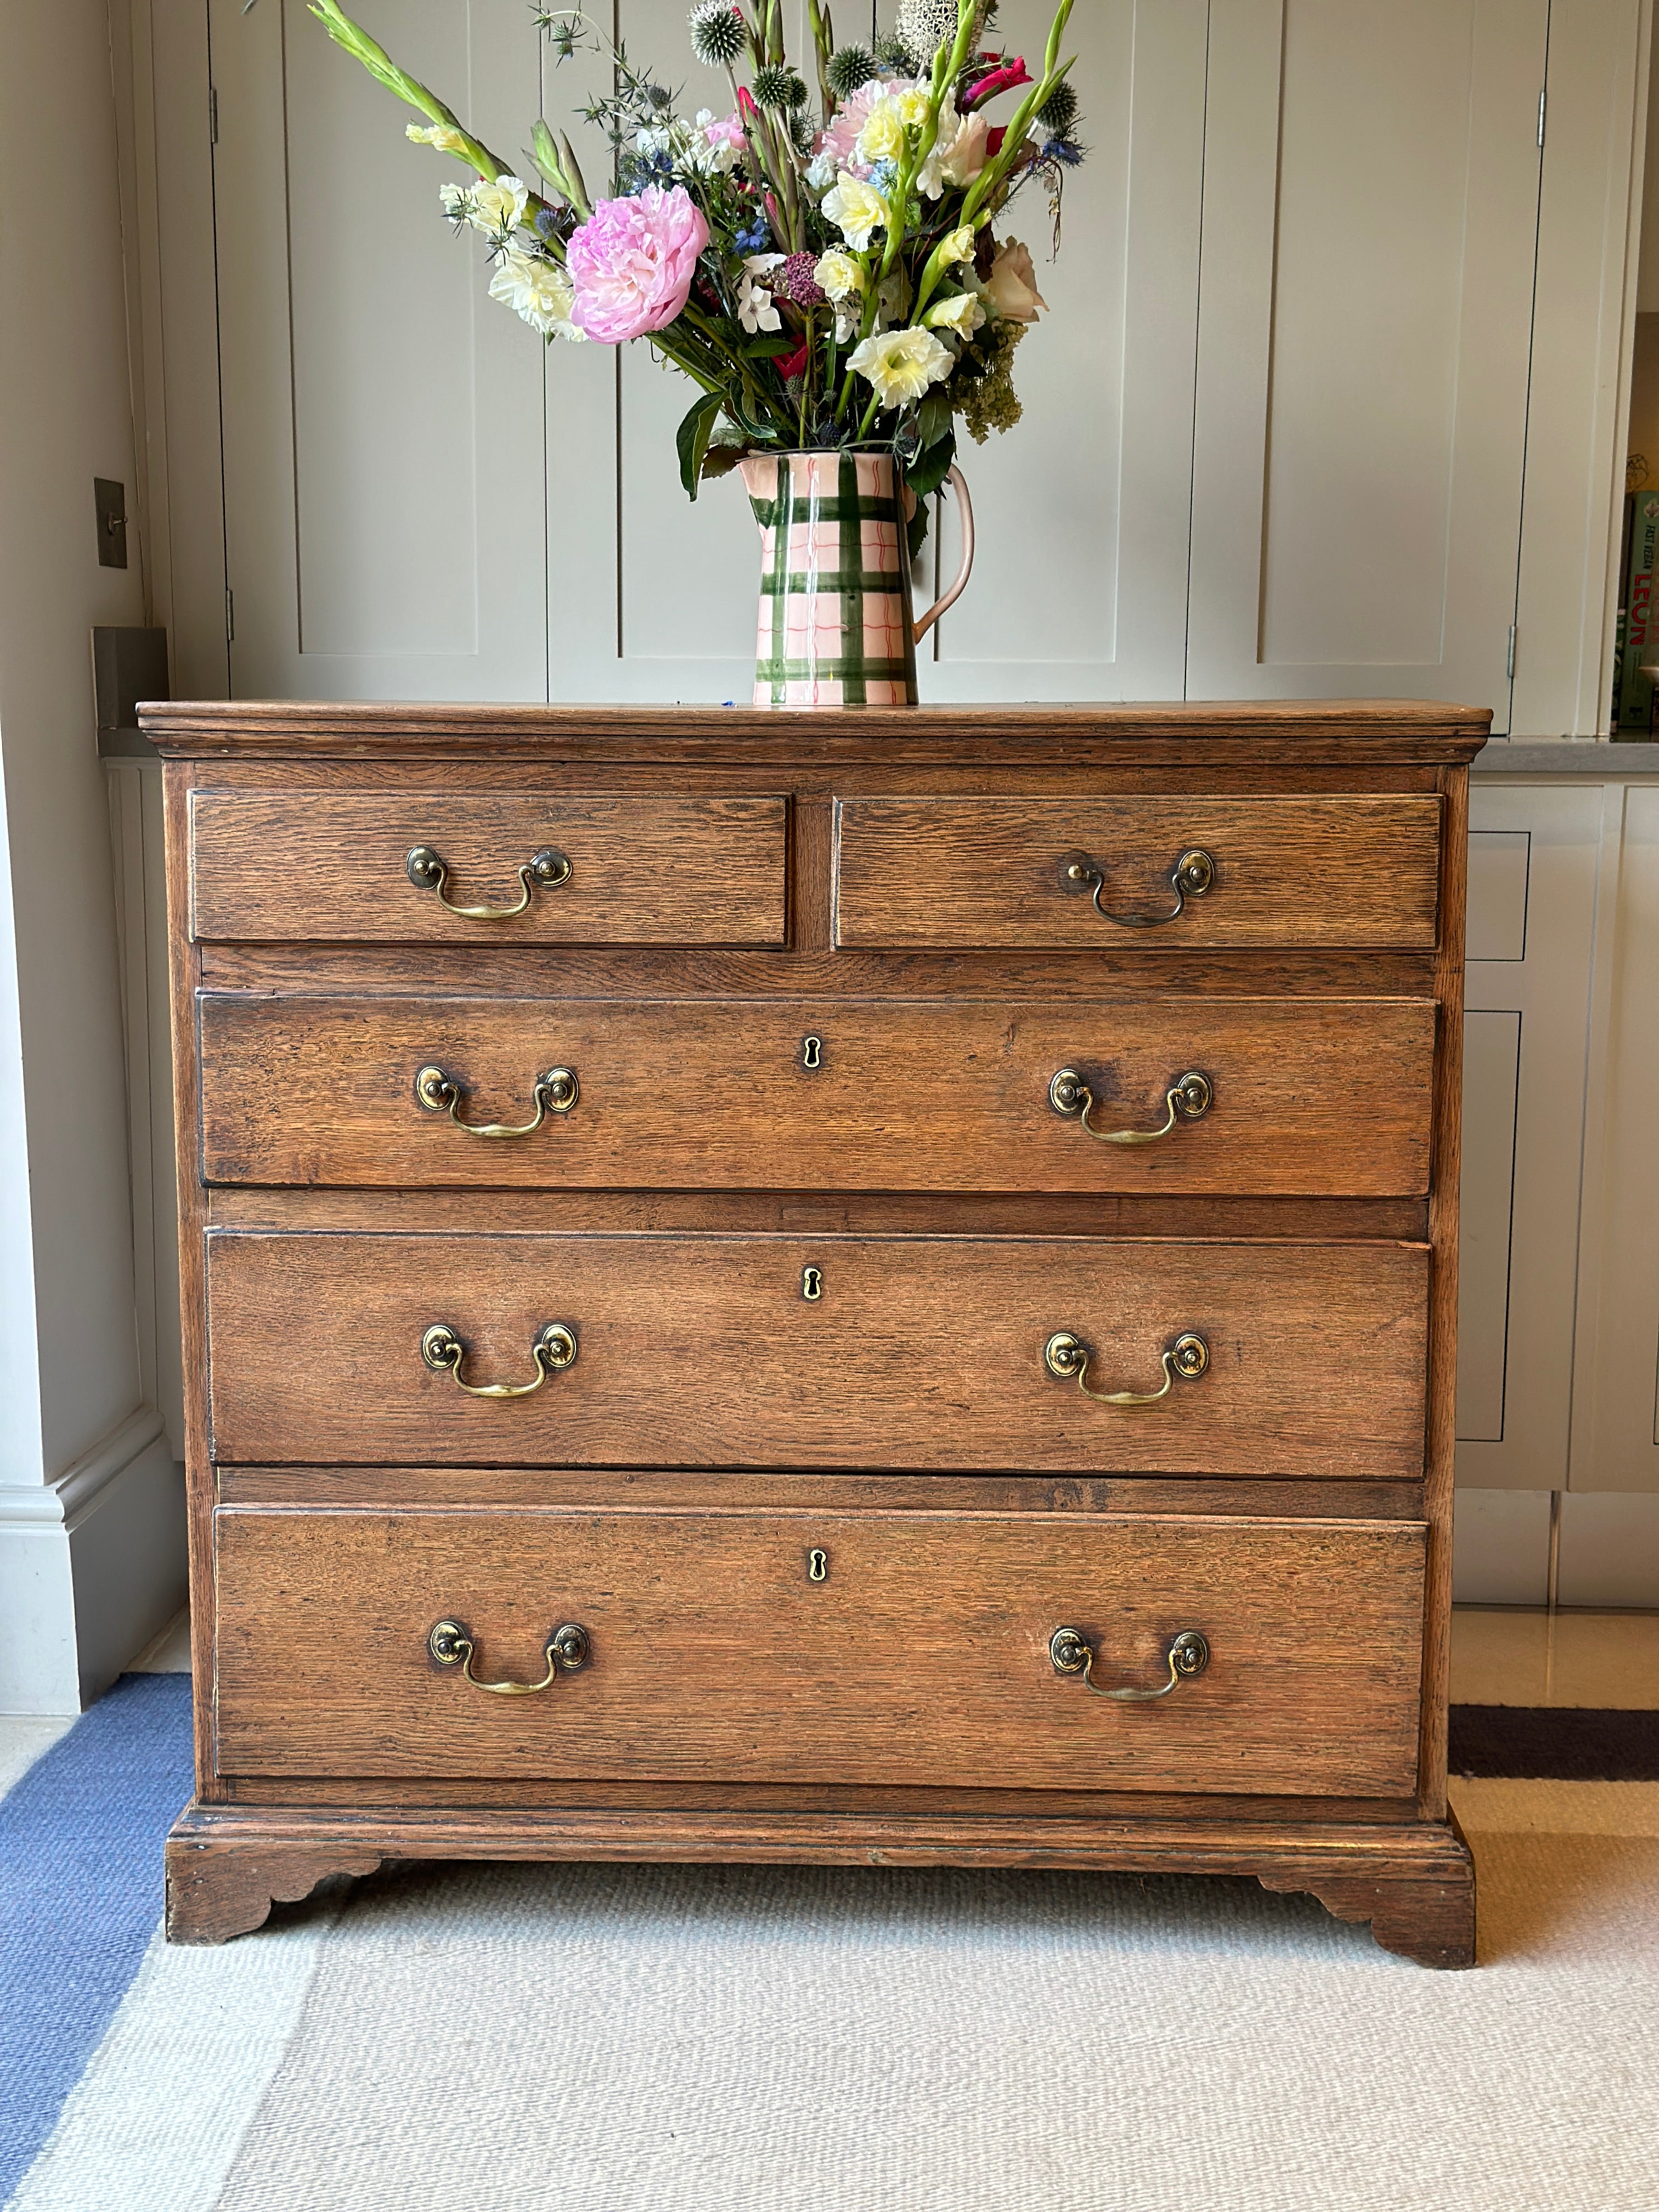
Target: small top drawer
1169,873
486,867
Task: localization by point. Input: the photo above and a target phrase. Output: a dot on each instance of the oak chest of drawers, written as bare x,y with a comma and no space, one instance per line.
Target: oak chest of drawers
871,1288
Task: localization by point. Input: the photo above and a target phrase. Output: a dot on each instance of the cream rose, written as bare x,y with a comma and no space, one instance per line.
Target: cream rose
1011,288
968,152
960,150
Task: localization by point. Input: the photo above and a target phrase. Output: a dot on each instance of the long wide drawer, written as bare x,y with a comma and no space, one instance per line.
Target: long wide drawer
1280,1096
393,864
1163,873
911,1648
757,1350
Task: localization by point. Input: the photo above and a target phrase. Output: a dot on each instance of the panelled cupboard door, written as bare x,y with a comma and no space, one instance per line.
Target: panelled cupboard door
1533,888
1370,208
1079,583
383,428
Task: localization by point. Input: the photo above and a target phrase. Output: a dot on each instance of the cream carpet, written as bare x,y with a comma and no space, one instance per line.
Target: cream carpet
609,2040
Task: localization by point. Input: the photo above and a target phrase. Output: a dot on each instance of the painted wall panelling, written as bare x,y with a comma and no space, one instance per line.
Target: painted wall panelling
1371,196
139,851
383,436
1615,1438
1534,857
91,1514
385,447
162,109
1583,333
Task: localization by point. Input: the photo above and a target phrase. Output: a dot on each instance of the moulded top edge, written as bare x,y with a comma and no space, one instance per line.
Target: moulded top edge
1013,733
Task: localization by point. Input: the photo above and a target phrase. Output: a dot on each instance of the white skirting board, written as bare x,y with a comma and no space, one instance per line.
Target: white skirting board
92,1567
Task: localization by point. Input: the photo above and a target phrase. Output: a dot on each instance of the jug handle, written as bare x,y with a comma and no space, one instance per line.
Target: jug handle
958,484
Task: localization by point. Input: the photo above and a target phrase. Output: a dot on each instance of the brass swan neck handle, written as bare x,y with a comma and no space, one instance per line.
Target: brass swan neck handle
567,1650
444,1351
438,1092
1073,1653
1190,876
1068,1355
1188,1098
428,870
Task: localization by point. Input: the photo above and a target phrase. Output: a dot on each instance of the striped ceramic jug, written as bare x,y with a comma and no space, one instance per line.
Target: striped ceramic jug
837,625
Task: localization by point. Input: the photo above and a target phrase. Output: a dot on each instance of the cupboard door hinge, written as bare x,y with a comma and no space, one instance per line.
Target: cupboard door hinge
1543,97
1509,663
213,115
230,615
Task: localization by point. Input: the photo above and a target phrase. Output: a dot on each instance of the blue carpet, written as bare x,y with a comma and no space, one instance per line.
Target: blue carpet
80,1839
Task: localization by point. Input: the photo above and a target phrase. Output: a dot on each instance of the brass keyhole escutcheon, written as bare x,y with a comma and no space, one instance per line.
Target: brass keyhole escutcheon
811,1052
811,1284
817,1565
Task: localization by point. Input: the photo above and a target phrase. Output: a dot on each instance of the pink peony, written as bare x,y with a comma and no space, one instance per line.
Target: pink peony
632,263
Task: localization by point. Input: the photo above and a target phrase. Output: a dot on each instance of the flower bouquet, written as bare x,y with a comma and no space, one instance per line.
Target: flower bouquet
820,263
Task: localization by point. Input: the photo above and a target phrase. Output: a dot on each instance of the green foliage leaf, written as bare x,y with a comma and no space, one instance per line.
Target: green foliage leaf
932,421
693,436
772,346
933,464
545,154
721,459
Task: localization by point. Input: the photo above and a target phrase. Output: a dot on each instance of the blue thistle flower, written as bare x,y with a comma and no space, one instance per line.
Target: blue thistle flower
884,175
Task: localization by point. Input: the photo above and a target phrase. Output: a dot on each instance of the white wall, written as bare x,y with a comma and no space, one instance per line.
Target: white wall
90,1502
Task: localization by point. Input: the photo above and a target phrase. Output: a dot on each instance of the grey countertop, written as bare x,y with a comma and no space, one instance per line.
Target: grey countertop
1593,758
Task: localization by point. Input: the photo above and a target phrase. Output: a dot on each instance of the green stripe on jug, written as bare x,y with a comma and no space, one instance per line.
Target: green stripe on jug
879,580
868,507
848,517
777,582
801,671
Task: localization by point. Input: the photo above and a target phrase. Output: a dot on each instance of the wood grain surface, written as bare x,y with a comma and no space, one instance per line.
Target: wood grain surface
889,883
1123,1495
227,1864
645,869
871,1213
988,871
923,1656
1280,733
921,1352
1309,1097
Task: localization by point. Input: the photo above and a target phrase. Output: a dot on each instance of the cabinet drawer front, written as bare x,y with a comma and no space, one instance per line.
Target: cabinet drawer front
893,1352
922,1656
302,864
1303,1097
996,871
